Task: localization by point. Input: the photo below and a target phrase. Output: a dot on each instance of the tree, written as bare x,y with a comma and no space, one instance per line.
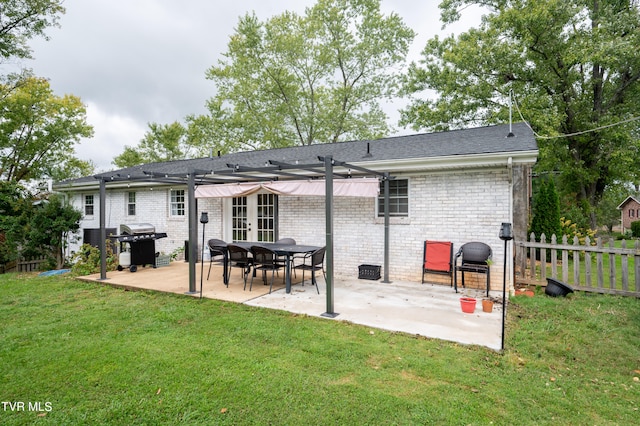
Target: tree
38,130
21,20
160,143
546,211
573,68
12,209
47,232
299,80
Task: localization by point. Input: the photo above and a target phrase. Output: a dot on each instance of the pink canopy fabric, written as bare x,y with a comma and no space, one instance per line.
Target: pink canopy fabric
356,187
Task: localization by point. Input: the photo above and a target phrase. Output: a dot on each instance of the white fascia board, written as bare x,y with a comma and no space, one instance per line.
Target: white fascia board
453,162
95,186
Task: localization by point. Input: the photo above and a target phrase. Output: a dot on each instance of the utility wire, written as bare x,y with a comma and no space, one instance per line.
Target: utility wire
570,134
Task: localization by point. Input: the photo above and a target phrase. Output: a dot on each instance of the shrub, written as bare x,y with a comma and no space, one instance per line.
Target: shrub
87,260
635,229
572,230
546,211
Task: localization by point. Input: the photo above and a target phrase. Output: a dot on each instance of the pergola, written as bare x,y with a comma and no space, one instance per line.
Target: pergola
327,168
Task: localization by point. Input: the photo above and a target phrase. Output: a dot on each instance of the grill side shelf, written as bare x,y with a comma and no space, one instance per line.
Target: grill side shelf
139,237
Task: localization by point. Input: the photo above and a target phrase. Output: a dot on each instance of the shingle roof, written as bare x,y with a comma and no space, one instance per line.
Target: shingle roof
480,140
626,201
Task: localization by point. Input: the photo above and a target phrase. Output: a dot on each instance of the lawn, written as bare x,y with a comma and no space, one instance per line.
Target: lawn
80,353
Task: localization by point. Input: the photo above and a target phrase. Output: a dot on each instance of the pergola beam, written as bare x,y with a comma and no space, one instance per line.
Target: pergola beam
239,173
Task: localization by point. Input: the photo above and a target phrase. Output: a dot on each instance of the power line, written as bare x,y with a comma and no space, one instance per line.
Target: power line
566,135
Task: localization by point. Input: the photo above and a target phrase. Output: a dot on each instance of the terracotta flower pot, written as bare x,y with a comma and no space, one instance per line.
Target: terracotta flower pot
524,292
487,305
468,304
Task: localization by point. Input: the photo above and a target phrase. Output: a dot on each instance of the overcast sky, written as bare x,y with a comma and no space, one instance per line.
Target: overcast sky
133,62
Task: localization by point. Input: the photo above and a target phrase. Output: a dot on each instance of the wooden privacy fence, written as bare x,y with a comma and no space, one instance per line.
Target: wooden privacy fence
601,268
23,265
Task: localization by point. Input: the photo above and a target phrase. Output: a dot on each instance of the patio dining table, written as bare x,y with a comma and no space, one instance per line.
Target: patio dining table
286,250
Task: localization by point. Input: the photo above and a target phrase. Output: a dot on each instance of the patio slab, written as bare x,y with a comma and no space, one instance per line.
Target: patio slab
429,310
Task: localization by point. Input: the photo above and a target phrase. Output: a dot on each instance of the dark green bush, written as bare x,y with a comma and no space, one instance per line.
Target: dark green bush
546,211
635,229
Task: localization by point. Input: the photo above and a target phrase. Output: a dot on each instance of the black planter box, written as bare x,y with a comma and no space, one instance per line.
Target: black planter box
369,272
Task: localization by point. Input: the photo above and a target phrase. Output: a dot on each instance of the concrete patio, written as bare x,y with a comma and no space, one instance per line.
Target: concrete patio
429,310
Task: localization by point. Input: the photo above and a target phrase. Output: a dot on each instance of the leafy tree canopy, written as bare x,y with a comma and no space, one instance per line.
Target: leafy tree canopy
573,68
299,80
51,223
21,20
160,143
38,131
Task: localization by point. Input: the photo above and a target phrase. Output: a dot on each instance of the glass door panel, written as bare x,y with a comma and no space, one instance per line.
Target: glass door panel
253,218
266,217
239,219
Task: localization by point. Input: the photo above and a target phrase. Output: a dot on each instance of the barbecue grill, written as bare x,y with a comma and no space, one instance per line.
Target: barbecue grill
141,238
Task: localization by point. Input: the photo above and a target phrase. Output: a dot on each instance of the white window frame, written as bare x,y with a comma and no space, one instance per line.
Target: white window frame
392,198
129,203
87,205
177,203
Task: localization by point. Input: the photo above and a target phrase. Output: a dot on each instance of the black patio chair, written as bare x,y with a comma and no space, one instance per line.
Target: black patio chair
264,260
475,258
289,242
219,253
313,262
239,257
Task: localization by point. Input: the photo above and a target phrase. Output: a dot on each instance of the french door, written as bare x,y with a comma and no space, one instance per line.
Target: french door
251,218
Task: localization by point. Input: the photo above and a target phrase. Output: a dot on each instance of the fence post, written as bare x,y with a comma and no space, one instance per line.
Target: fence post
543,258
532,258
624,263
587,263
599,263
554,257
576,261
612,267
565,260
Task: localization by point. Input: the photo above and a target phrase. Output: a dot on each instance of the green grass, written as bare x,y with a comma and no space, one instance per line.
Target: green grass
100,355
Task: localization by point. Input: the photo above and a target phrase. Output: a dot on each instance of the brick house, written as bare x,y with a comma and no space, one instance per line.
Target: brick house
629,212
456,186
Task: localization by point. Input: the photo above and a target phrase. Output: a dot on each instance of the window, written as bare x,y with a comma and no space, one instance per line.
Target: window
88,205
177,202
631,212
131,203
398,198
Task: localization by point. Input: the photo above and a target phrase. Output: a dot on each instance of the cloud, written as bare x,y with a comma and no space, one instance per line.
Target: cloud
112,132
143,61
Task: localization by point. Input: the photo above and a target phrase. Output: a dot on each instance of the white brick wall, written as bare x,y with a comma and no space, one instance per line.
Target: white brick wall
452,206
458,207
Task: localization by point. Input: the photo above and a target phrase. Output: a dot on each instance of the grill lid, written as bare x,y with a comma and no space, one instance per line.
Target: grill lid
137,228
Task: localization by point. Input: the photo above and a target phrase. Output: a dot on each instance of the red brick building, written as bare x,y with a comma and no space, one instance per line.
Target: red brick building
630,209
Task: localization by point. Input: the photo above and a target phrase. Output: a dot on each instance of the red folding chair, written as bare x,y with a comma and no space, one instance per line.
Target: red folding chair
438,258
